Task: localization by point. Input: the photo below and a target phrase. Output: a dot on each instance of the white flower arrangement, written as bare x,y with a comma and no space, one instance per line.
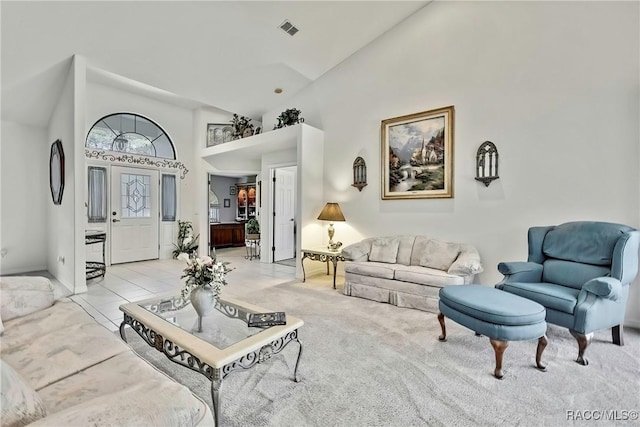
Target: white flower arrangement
201,272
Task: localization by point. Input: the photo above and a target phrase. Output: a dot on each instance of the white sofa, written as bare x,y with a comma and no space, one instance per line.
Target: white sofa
61,368
407,271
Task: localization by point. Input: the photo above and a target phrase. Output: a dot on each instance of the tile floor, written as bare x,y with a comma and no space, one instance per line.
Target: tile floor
141,280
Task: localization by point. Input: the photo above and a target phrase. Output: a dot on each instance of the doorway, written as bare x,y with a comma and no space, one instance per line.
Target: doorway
284,218
134,214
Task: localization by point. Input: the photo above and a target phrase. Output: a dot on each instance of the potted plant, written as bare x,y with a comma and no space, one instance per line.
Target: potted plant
253,229
242,126
187,243
288,118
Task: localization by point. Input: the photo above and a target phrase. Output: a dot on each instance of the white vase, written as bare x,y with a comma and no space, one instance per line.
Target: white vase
203,299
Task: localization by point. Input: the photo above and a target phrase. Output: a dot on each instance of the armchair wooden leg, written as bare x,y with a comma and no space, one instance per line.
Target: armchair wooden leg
617,333
583,342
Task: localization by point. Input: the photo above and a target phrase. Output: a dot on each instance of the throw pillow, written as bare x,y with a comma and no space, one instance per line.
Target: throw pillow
21,405
439,255
384,250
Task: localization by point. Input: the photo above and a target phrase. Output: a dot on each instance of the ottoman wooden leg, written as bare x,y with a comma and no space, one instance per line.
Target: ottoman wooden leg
442,337
498,347
542,344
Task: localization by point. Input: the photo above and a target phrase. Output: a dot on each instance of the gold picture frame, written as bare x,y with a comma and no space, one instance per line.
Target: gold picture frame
417,155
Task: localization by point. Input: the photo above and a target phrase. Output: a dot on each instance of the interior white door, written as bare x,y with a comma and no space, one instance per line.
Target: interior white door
284,210
134,214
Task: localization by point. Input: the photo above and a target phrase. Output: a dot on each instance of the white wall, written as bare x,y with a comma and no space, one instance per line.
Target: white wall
25,196
60,235
553,85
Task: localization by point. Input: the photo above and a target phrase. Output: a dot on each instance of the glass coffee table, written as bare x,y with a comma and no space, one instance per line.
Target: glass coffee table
226,343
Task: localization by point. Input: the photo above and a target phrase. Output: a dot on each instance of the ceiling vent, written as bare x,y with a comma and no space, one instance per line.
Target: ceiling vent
288,27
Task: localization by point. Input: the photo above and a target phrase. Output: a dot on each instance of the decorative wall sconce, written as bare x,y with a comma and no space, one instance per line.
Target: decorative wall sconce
487,163
359,173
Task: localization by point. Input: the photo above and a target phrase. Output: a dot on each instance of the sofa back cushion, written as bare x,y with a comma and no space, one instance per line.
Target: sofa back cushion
584,241
439,255
21,405
384,249
572,274
405,248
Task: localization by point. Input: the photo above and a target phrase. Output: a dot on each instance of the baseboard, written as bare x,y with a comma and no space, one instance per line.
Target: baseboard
14,271
632,323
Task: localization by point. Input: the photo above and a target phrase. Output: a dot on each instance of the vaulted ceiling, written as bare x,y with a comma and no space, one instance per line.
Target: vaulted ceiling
226,54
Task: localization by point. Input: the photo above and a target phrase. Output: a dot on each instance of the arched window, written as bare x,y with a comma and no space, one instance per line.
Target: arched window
130,133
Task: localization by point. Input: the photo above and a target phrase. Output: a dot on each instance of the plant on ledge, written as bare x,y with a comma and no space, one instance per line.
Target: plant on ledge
187,244
242,126
288,118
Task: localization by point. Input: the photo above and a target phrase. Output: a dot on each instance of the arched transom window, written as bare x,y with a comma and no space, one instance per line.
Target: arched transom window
130,133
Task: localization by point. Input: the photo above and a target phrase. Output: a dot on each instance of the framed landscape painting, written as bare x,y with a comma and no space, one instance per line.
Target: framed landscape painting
417,155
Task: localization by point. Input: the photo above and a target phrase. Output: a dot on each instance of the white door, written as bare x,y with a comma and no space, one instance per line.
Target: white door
284,213
134,214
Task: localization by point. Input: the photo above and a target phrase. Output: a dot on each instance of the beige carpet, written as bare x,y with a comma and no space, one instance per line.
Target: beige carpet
372,364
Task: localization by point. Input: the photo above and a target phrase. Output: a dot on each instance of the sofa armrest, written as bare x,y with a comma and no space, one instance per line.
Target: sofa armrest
357,251
467,263
604,287
521,271
22,295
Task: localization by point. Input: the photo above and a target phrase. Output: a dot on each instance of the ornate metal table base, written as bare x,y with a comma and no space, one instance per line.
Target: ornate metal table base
215,375
323,256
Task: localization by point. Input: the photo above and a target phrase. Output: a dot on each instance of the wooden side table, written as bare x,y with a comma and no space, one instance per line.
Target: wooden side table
324,255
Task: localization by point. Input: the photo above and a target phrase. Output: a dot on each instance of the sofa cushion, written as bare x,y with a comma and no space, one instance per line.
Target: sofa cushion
373,269
111,376
556,297
584,241
152,402
384,249
405,248
21,404
22,295
63,352
439,255
573,274
23,330
426,276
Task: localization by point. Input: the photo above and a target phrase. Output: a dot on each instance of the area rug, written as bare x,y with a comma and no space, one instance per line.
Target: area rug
371,364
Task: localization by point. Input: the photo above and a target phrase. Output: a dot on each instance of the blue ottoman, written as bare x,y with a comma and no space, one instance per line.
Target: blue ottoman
500,315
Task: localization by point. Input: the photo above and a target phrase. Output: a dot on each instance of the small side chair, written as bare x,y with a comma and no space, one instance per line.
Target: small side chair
581,273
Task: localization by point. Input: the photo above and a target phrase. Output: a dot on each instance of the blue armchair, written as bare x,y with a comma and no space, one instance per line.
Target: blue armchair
581,273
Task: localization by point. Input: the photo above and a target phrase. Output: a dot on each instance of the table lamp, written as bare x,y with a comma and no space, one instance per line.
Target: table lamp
331,212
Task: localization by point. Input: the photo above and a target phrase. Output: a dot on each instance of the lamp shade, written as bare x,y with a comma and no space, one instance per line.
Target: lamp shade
331,212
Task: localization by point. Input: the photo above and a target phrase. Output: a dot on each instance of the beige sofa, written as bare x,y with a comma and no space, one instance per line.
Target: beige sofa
407,271
61,368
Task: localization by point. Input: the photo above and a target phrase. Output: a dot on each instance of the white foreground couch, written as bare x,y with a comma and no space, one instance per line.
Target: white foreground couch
407,271
61,368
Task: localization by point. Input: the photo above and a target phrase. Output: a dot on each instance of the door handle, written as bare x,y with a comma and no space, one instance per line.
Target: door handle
115,220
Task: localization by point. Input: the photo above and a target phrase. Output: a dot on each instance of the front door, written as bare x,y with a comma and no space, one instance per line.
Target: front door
134,214
284,218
